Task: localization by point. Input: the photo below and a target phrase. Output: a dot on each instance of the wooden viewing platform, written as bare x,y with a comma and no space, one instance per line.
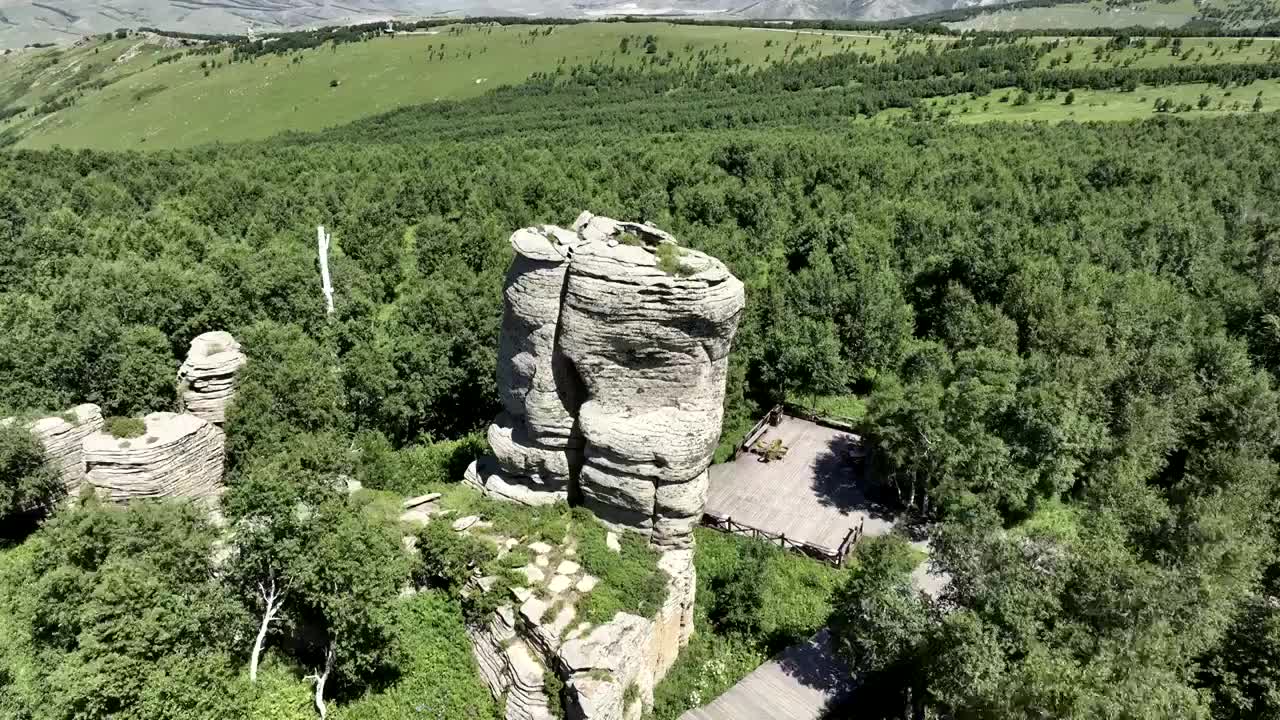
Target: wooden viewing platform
796,685
812,499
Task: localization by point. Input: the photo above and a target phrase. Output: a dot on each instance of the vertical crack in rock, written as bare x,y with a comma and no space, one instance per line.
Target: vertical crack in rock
611,371
207,378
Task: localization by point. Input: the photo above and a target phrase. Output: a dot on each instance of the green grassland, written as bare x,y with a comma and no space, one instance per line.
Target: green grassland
31,77
1092,52
1145,13
1098,105
135,93
181,103
1085,15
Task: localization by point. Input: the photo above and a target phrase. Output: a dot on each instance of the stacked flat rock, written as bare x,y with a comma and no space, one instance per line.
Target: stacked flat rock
536,448
608,670
651,348
615,345
62,437
179,456
208,375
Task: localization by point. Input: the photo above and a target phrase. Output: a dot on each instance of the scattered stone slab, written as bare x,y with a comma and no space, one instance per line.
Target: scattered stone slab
567,567
540,548
464,523
416,517
533,574
559,584
611,541
420,500
533,609
586,584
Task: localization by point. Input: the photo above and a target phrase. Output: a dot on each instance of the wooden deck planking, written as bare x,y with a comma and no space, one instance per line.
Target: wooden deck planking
810,494
796,685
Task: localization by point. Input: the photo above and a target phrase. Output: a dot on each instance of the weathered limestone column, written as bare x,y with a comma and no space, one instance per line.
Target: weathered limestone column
648,326
611,371
535,442
207,378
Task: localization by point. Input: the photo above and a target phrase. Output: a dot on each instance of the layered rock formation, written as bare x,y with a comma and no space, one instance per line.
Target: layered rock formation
178,456
613,362
607,671
62,437
207,377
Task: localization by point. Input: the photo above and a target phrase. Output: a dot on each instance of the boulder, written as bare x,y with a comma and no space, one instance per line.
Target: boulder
62,437
179,456
207,378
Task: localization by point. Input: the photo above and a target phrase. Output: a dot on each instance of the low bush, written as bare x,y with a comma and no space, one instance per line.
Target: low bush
439,680
125,427
629,581
416,469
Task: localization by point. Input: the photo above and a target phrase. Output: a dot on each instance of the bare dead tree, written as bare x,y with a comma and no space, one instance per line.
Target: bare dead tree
272,597
321,677
323,239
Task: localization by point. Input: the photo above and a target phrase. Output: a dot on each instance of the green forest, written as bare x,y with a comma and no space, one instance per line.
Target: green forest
1066,337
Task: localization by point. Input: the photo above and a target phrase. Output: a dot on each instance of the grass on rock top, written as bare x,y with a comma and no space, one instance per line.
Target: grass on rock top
125,428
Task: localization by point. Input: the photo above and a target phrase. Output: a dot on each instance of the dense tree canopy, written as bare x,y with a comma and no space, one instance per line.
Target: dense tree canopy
1067,337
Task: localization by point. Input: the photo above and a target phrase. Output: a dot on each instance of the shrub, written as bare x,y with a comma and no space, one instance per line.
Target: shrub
554,687
415,469
125,427
438,678
669,260
26,480
738,596
449,559
629,581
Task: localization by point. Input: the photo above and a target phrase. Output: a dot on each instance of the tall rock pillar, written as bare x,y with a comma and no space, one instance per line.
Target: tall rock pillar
537,449
611,371
647,325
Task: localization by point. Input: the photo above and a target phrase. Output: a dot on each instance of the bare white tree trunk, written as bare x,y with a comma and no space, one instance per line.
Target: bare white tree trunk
323,239
320,679
272,600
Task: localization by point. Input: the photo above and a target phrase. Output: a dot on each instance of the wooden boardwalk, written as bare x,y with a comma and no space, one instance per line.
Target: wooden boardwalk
796,685
812,495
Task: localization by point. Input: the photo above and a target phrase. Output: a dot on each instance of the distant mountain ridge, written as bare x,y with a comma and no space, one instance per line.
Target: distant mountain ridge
24,22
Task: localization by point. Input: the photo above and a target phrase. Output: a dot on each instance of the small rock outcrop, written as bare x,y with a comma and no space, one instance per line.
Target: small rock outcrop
207,378
612,369
608,671
178,456
62,437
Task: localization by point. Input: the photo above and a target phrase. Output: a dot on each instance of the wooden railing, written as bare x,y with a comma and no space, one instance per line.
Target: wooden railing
836,557
771,418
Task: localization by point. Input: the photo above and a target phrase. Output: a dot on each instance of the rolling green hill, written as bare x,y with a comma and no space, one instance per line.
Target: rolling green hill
1072,14
150,92
201,98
